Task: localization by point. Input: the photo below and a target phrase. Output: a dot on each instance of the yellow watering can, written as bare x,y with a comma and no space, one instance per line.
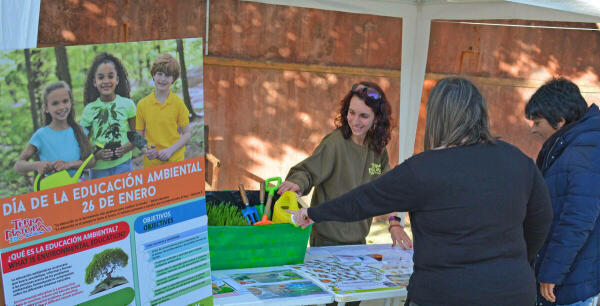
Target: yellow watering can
61,178
288,200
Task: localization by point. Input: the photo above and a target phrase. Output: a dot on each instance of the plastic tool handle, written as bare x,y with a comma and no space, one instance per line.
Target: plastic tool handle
243,194
262,192
268,206
271,189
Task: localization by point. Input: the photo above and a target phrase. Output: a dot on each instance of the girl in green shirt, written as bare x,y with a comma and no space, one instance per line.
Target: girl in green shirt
108,114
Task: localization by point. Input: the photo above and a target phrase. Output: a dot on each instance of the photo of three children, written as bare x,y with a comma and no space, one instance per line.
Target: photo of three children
113,121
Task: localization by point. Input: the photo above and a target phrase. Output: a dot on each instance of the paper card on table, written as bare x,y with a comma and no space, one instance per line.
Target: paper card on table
266,277
355,259
399,279
222,289
285,290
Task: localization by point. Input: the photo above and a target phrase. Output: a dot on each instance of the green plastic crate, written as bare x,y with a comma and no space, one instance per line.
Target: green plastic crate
235,247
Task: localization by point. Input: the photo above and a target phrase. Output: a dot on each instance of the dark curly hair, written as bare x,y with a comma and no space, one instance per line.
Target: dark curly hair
557,99
379,135
90,92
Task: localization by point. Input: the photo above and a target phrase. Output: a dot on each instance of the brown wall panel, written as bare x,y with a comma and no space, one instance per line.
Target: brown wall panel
292,34
506,111
261,124
237,29
68,22
511,57
514,52
506,108
420,136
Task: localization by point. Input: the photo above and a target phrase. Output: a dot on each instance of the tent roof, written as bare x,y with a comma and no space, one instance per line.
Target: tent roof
587,10
585,7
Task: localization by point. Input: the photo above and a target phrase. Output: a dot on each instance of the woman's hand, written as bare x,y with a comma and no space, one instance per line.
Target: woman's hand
287,185
300,217
399,236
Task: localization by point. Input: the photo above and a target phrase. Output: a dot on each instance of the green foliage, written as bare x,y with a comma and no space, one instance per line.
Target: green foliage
16,124
224,214
105,263
193,52
142,90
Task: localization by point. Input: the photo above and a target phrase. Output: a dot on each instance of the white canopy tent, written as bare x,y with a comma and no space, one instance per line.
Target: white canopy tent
416,21
19,24
19,21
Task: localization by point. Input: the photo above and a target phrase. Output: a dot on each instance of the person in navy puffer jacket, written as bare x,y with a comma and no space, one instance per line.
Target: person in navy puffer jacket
568,265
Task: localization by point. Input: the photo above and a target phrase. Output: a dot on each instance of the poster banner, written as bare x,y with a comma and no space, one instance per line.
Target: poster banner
116,216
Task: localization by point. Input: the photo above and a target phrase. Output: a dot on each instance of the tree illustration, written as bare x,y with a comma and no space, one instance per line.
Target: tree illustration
104,264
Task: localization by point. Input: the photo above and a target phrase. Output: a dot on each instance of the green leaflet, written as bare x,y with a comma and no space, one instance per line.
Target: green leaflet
113,112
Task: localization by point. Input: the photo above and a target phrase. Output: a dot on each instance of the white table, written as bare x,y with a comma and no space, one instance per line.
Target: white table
391,296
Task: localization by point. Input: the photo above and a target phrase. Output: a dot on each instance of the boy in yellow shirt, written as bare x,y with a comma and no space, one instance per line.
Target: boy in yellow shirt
162,117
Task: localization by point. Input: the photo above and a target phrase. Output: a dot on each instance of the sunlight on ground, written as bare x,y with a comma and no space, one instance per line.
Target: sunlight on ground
379,232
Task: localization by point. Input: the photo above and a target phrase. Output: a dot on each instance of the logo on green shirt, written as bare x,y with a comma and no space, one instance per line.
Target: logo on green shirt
375,169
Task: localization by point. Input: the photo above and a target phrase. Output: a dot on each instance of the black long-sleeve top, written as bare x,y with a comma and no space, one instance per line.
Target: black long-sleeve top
479,214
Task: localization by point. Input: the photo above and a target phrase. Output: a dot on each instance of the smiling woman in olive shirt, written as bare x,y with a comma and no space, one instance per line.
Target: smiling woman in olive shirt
351,155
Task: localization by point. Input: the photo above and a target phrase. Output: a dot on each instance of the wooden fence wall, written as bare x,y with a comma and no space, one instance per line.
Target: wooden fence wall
274,74
508,64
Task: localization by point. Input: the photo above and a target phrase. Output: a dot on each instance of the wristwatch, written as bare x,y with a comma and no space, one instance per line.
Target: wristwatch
392,218
399,224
